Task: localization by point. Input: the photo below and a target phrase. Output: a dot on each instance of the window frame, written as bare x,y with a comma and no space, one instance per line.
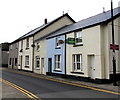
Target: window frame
37,60
38,46
16,61
76,62
21,44
57,43
27,61
57,63
10,61
27,43
78,35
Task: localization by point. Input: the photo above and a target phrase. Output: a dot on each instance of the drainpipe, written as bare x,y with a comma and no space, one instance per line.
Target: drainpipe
65,55
33,45
113,42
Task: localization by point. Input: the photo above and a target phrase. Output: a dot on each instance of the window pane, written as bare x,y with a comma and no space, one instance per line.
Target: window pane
77,62
78,58
58,57
74,66
57,62
78,37
78,66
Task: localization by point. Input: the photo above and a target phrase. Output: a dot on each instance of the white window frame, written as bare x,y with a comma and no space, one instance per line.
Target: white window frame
16,45
78,35
27,43
27,60
57,63
76,63
11,47
21,44
37,60
57,42
38,46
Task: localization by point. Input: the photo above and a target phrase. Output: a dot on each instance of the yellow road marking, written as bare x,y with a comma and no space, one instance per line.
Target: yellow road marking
93,88
29,94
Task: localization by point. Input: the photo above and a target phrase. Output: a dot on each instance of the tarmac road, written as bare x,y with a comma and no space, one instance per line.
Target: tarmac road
49,89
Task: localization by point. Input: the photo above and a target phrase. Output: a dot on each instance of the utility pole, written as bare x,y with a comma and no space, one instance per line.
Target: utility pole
113,43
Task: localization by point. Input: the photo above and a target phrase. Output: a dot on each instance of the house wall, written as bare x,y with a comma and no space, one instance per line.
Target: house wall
52,51
58,24
25,52
42,54
91,47
117,42
0,57
96,43
13,53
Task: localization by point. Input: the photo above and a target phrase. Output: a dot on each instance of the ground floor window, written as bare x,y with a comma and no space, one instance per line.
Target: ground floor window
77,62
57,62
26,61
37,62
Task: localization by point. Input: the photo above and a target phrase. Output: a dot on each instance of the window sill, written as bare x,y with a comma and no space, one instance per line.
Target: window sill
76,45
26,66
27,48
77,72
37,68
57,70
58,48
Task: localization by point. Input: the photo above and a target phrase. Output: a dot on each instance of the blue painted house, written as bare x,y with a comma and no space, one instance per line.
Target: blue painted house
56,55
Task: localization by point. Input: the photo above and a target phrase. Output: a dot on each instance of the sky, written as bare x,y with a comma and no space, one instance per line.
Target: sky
17,17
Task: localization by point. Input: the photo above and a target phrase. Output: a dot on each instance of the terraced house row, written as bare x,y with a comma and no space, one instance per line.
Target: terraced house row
72,49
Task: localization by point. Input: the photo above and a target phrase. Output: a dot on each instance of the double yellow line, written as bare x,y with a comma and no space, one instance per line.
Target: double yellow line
29,94
74,84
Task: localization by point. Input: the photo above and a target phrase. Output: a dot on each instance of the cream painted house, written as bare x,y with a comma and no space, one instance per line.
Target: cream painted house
25,53
87,47
41,44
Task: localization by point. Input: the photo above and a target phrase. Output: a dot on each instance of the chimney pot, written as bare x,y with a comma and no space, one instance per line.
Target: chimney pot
45,21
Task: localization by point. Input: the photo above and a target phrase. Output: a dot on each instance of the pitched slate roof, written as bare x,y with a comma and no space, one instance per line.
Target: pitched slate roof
91,21
35,31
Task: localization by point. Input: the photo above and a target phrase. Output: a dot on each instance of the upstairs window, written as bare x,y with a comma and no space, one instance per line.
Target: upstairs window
77,62
57,43
10,47
16,45
78,38
38,46
22,44
27,43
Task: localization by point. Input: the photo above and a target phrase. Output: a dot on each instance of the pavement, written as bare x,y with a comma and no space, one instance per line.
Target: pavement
17,94
9,92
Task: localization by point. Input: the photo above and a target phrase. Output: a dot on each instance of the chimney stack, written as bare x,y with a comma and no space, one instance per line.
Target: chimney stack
45,21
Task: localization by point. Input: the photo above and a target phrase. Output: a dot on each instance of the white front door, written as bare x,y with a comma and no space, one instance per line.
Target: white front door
91,65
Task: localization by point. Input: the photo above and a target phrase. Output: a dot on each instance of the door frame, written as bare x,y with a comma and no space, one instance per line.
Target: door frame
49,65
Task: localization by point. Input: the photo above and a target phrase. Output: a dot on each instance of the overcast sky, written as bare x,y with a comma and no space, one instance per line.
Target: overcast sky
17,17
